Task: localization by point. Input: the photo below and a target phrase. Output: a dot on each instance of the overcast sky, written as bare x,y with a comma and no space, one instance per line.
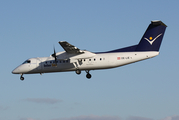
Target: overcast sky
147,90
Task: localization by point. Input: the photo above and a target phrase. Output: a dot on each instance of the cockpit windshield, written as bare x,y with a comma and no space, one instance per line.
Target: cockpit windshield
27,61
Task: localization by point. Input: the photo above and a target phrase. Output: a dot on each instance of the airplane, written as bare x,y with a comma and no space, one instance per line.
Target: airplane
75,59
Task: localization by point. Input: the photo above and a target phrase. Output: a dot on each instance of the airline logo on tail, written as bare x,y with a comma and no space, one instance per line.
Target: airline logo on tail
150,39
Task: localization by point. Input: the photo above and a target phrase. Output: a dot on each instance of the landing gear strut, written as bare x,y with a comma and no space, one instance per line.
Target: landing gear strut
88,75
22,78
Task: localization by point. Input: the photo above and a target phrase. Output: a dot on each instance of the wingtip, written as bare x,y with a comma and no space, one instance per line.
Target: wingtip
61,41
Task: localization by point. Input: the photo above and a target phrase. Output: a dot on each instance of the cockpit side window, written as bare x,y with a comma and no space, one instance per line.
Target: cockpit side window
27,61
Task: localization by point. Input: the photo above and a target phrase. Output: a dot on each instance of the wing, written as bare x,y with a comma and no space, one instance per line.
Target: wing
70,48
73,53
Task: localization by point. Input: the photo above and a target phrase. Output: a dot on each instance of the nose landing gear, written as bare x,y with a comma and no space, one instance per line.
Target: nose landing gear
22,78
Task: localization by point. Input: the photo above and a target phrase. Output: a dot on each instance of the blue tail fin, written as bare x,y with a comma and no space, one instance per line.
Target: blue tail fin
152,37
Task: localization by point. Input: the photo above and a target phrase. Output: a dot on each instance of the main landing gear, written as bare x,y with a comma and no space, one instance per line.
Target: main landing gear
22,78
78,71
88,75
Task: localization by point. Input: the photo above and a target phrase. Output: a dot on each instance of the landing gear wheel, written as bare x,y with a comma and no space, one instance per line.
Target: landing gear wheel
22,78
78,72
88,75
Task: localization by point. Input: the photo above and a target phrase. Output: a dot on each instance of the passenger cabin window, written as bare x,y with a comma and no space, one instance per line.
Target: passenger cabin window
27,61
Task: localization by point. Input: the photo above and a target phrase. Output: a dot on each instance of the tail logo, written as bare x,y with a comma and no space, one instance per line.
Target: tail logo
150,39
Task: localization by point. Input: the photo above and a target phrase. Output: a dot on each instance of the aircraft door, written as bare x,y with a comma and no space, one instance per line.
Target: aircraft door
112,60
38,64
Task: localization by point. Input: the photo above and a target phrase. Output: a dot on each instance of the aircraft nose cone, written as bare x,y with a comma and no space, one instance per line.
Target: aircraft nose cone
15,71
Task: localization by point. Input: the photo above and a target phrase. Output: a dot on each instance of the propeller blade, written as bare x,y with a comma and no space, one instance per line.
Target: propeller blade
54,55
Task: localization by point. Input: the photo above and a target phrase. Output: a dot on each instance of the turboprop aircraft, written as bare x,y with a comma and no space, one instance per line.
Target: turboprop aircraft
74,59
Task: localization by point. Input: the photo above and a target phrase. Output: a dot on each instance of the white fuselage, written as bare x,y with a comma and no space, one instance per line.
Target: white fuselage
97,61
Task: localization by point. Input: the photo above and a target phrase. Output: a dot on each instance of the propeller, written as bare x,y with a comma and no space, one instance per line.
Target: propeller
54,55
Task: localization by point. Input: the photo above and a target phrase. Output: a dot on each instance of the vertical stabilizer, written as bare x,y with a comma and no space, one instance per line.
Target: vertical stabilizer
152,37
